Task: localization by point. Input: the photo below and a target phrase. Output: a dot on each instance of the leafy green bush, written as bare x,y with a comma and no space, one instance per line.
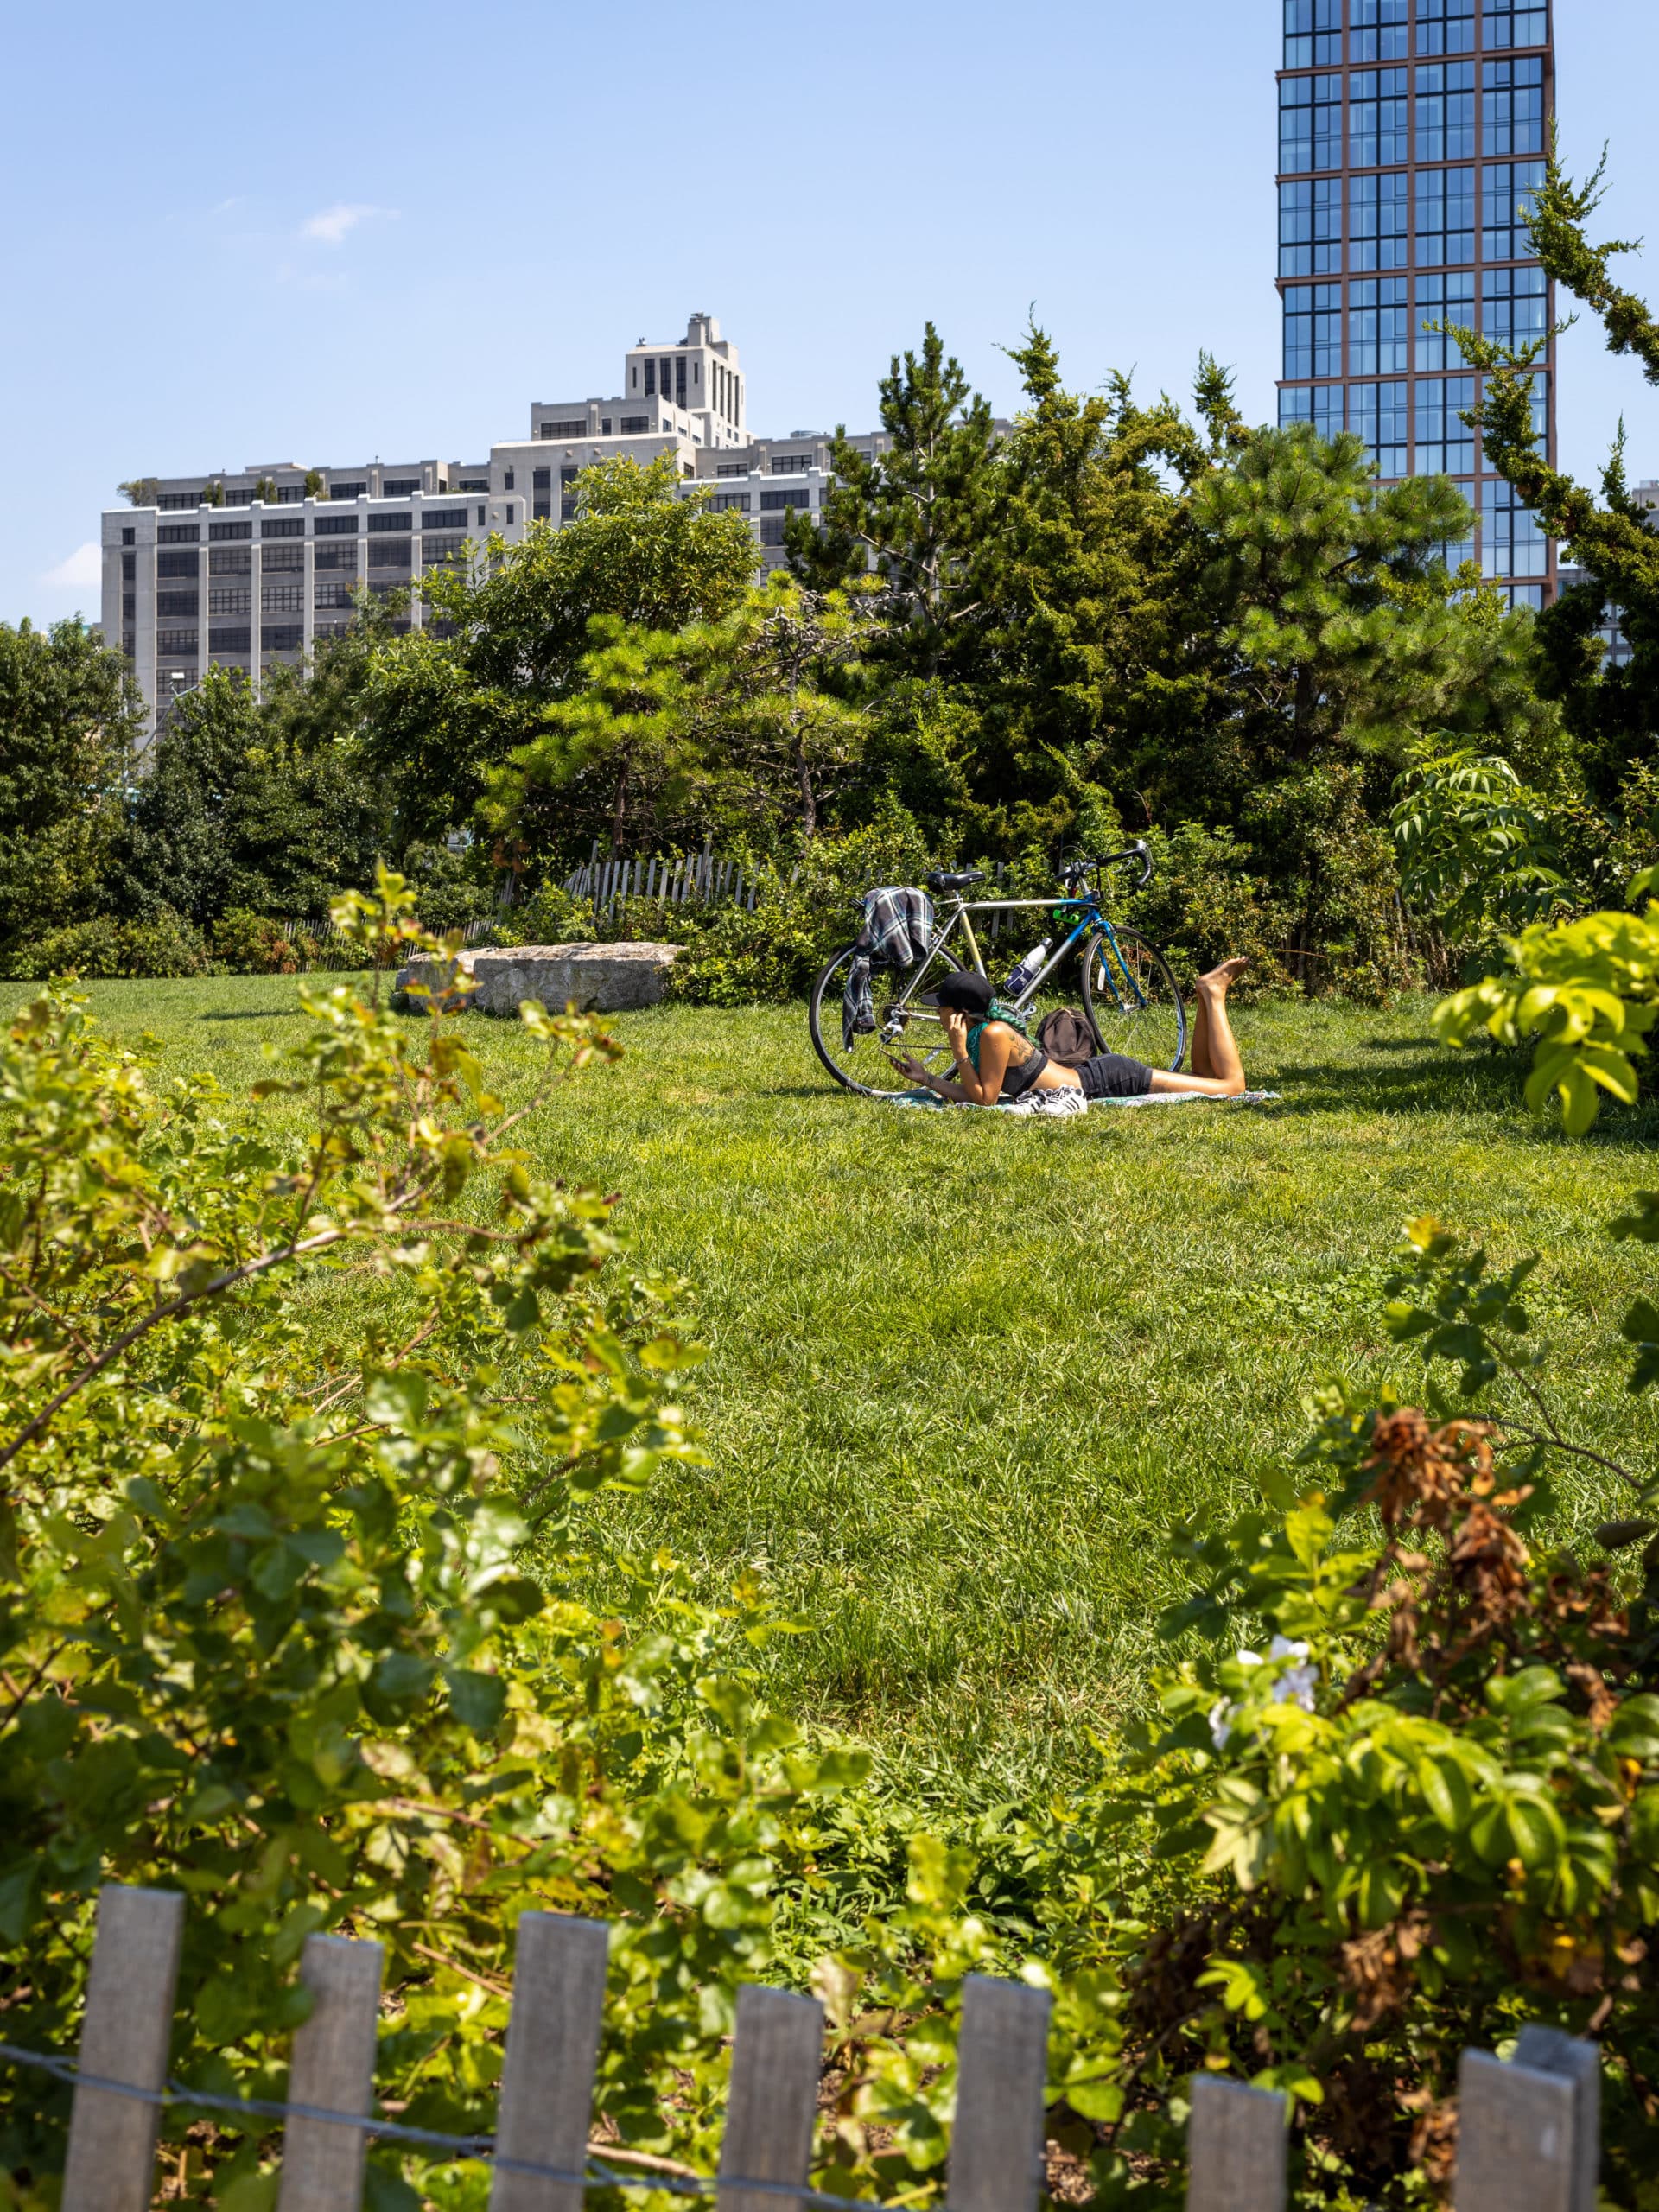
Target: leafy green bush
1480,852
1336,883
1428,1809
739,958
163,944
1204,904
1587,991
296,1596
450,889
252,945
550,916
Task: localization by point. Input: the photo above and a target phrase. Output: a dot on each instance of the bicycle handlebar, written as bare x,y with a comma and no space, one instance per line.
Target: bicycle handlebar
1137,851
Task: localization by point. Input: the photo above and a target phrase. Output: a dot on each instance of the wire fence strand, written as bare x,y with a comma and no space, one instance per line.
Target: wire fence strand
596,2175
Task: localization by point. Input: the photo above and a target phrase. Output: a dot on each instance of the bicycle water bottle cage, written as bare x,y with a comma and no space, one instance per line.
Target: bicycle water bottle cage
940,881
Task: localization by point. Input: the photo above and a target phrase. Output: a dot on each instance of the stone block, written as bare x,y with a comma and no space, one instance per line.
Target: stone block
437,973
600,978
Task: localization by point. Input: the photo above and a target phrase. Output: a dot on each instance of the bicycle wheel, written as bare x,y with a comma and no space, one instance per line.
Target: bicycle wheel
864,1065
1134,1001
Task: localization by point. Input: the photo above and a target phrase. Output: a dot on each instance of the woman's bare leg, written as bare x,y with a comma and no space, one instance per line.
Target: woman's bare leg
1200,1062
1217,1070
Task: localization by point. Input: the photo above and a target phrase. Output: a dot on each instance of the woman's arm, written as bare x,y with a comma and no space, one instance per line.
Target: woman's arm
972,1087
981,1086
941,1086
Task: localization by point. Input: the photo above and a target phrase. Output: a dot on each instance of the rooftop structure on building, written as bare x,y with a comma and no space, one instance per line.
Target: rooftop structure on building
244,568
1412,135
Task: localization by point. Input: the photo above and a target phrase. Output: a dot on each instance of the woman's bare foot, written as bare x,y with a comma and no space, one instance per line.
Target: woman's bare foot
1219,977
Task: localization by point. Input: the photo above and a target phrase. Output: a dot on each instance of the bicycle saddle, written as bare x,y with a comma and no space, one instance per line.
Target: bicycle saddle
939,881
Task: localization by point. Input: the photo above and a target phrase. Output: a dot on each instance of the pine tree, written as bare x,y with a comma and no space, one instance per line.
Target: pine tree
920,515
1614,714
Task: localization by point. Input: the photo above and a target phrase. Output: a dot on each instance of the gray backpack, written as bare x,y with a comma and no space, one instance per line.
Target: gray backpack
1066,1036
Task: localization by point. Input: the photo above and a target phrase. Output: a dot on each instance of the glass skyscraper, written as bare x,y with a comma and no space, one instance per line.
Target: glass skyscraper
1411,134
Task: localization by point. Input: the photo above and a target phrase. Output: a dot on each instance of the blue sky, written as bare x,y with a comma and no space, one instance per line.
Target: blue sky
327,232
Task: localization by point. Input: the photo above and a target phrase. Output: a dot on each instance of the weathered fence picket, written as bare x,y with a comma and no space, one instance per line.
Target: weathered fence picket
1528,2129
1516,2138
1236,2147
126,2037
332,2070
772,2105
1549,2050
996,2151
552,2053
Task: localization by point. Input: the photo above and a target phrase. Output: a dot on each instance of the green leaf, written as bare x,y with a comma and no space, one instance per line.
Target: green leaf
1521,1692
402,1678
1633,1732
17,1899
477,1701
384,2189
1100,2100
1535,1831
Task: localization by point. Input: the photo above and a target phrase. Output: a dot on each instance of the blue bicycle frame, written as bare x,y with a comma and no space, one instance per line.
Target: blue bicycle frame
1092,918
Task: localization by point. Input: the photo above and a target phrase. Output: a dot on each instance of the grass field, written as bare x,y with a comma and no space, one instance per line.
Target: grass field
965,1371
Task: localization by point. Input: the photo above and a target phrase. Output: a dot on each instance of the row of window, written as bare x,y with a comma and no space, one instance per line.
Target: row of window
1436,209
189,533
1385,332
392,487
1381,115
1379,30
1411,428
234,640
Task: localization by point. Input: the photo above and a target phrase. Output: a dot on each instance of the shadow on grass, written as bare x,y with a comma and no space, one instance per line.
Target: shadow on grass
254,1013
1431,1081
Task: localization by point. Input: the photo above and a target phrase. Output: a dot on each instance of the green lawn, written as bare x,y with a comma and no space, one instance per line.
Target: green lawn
965,1370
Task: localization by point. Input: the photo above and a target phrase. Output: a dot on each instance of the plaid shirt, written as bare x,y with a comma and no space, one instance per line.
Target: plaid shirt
898,929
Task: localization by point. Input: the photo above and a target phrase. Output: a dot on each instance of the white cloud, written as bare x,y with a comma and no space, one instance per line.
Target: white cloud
82,571
331,226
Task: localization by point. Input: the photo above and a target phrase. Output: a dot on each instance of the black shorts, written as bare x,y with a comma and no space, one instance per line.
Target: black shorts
1113,1075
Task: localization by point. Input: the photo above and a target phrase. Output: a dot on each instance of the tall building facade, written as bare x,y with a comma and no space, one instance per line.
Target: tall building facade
250,568
1412,134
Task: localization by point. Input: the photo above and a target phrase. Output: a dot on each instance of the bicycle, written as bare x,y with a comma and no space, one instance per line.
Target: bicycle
1131,999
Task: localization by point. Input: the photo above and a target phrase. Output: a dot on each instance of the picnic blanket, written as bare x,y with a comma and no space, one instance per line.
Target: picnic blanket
1065,1105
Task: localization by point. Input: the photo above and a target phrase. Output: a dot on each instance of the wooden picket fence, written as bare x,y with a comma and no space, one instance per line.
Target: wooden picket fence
1527,2142
670,881
324,931
706,879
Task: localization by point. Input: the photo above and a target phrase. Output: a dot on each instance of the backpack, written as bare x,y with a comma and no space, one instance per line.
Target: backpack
1067,1037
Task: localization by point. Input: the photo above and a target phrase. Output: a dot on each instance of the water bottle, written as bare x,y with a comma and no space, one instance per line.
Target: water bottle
1027,972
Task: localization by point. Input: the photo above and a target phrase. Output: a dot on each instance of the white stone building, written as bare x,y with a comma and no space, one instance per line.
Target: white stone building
243,568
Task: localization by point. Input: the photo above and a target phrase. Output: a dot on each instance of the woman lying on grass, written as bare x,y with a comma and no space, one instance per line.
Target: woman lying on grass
994,1061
